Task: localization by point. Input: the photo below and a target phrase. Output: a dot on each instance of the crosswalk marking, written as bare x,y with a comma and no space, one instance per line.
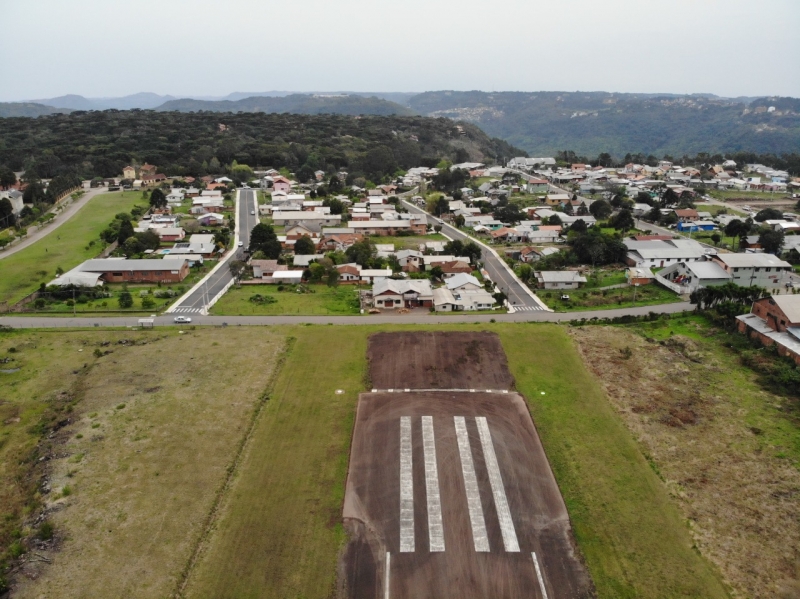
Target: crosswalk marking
528,308
479,536
406,487
498,491
435,527
187,310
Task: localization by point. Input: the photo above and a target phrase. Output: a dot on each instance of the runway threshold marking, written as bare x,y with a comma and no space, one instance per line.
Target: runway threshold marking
406,487
498,490
435,528
539,575
386,580
479,536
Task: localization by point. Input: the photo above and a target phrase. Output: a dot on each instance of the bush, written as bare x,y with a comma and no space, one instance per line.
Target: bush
148,303
45,532
262,299
125,300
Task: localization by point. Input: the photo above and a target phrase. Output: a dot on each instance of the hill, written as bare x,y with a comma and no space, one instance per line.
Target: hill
143,100
293,103
101,143
26,109
593,122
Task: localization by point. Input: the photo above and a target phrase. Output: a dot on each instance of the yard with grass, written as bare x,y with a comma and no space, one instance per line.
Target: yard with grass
597,299
151,524
73,242
407,243
723,195
145,435
272,301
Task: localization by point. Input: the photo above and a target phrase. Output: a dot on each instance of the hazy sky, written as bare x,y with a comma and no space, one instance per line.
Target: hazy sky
199,47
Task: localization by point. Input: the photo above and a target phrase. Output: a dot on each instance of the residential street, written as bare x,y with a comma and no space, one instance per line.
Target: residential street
413,318
59,220
198,298
518,296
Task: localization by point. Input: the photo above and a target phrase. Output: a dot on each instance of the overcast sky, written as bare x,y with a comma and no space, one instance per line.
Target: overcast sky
203,47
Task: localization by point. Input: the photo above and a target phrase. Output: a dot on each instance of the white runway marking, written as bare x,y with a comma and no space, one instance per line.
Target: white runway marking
479,536
498,491
406,488
539,575
435,528
386,583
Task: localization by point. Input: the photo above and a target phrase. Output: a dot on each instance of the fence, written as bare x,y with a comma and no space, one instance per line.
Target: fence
679,289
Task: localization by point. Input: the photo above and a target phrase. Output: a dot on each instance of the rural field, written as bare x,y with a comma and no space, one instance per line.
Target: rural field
149,426
65,247
274,528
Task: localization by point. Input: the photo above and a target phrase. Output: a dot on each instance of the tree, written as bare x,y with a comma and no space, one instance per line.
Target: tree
716,238
578,226
736,229
125,300
459,221
771,241
237,269
437,272
768,214
555,219
332,278
441,206
525,272
158,199
509,214
335,205
148,303
263,239
361,252
125,231
317,271
34,193
132,246
600,209
7,177
6,213
623,220
304,245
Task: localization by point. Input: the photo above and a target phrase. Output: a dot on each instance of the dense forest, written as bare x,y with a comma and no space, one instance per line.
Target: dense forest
590,123
295,104
101,143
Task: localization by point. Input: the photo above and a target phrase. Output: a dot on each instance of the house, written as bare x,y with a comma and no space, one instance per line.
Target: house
175,196
694,275
264,269
129,172
545,235
391,293
451,269
639,276
537,186
530,254
349,273
775,321
304,229
697,225
147,170
661,253
211,219
686,214
15,197
447,300
388,227
410,260
170,234
761,270
202,245
559,279
463,282
555,199
121,270
305,259
338,241
294,217
281,183
372,275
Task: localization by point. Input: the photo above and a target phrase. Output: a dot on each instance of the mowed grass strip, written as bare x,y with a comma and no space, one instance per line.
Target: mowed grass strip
67,246
342,299
279,531
632,536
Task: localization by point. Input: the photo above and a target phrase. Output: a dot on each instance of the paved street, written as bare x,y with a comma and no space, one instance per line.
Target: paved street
520,298
412,318
197,299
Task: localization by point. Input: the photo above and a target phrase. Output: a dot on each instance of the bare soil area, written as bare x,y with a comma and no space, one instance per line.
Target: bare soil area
703,423
438,360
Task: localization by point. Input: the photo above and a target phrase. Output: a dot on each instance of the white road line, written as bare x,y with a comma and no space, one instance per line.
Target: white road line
435,528
498,491
479,536
538,575
386,583
406,488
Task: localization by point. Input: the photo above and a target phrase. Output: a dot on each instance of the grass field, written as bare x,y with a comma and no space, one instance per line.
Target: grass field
407,243
133,519
342,299
66,246
747,195
594,299
154,429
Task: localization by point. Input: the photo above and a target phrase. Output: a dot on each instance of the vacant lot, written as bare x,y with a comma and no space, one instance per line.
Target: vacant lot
727,451
601,299
65,247
317,299
154,427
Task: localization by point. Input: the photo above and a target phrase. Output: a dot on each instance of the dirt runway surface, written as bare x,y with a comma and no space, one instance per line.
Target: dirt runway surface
438,360
450,494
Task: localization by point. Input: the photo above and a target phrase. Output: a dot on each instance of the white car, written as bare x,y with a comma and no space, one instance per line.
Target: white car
241,243
183,319
252,213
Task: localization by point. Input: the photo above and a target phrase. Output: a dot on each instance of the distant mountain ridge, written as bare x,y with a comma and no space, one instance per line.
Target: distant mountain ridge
27,109
294,104
593,122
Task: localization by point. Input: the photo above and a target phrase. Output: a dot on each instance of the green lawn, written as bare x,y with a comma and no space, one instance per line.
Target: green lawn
66,246
604,278
589,299
716,209
407,243
342,299
747,195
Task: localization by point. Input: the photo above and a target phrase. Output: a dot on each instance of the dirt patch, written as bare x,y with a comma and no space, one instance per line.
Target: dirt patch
693,413
438,360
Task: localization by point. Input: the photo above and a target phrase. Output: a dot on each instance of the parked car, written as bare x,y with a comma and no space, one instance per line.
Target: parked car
240,244
182,319
565,297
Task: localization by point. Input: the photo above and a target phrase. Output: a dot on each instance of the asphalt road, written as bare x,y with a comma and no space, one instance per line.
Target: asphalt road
415,317
518,296
197,299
